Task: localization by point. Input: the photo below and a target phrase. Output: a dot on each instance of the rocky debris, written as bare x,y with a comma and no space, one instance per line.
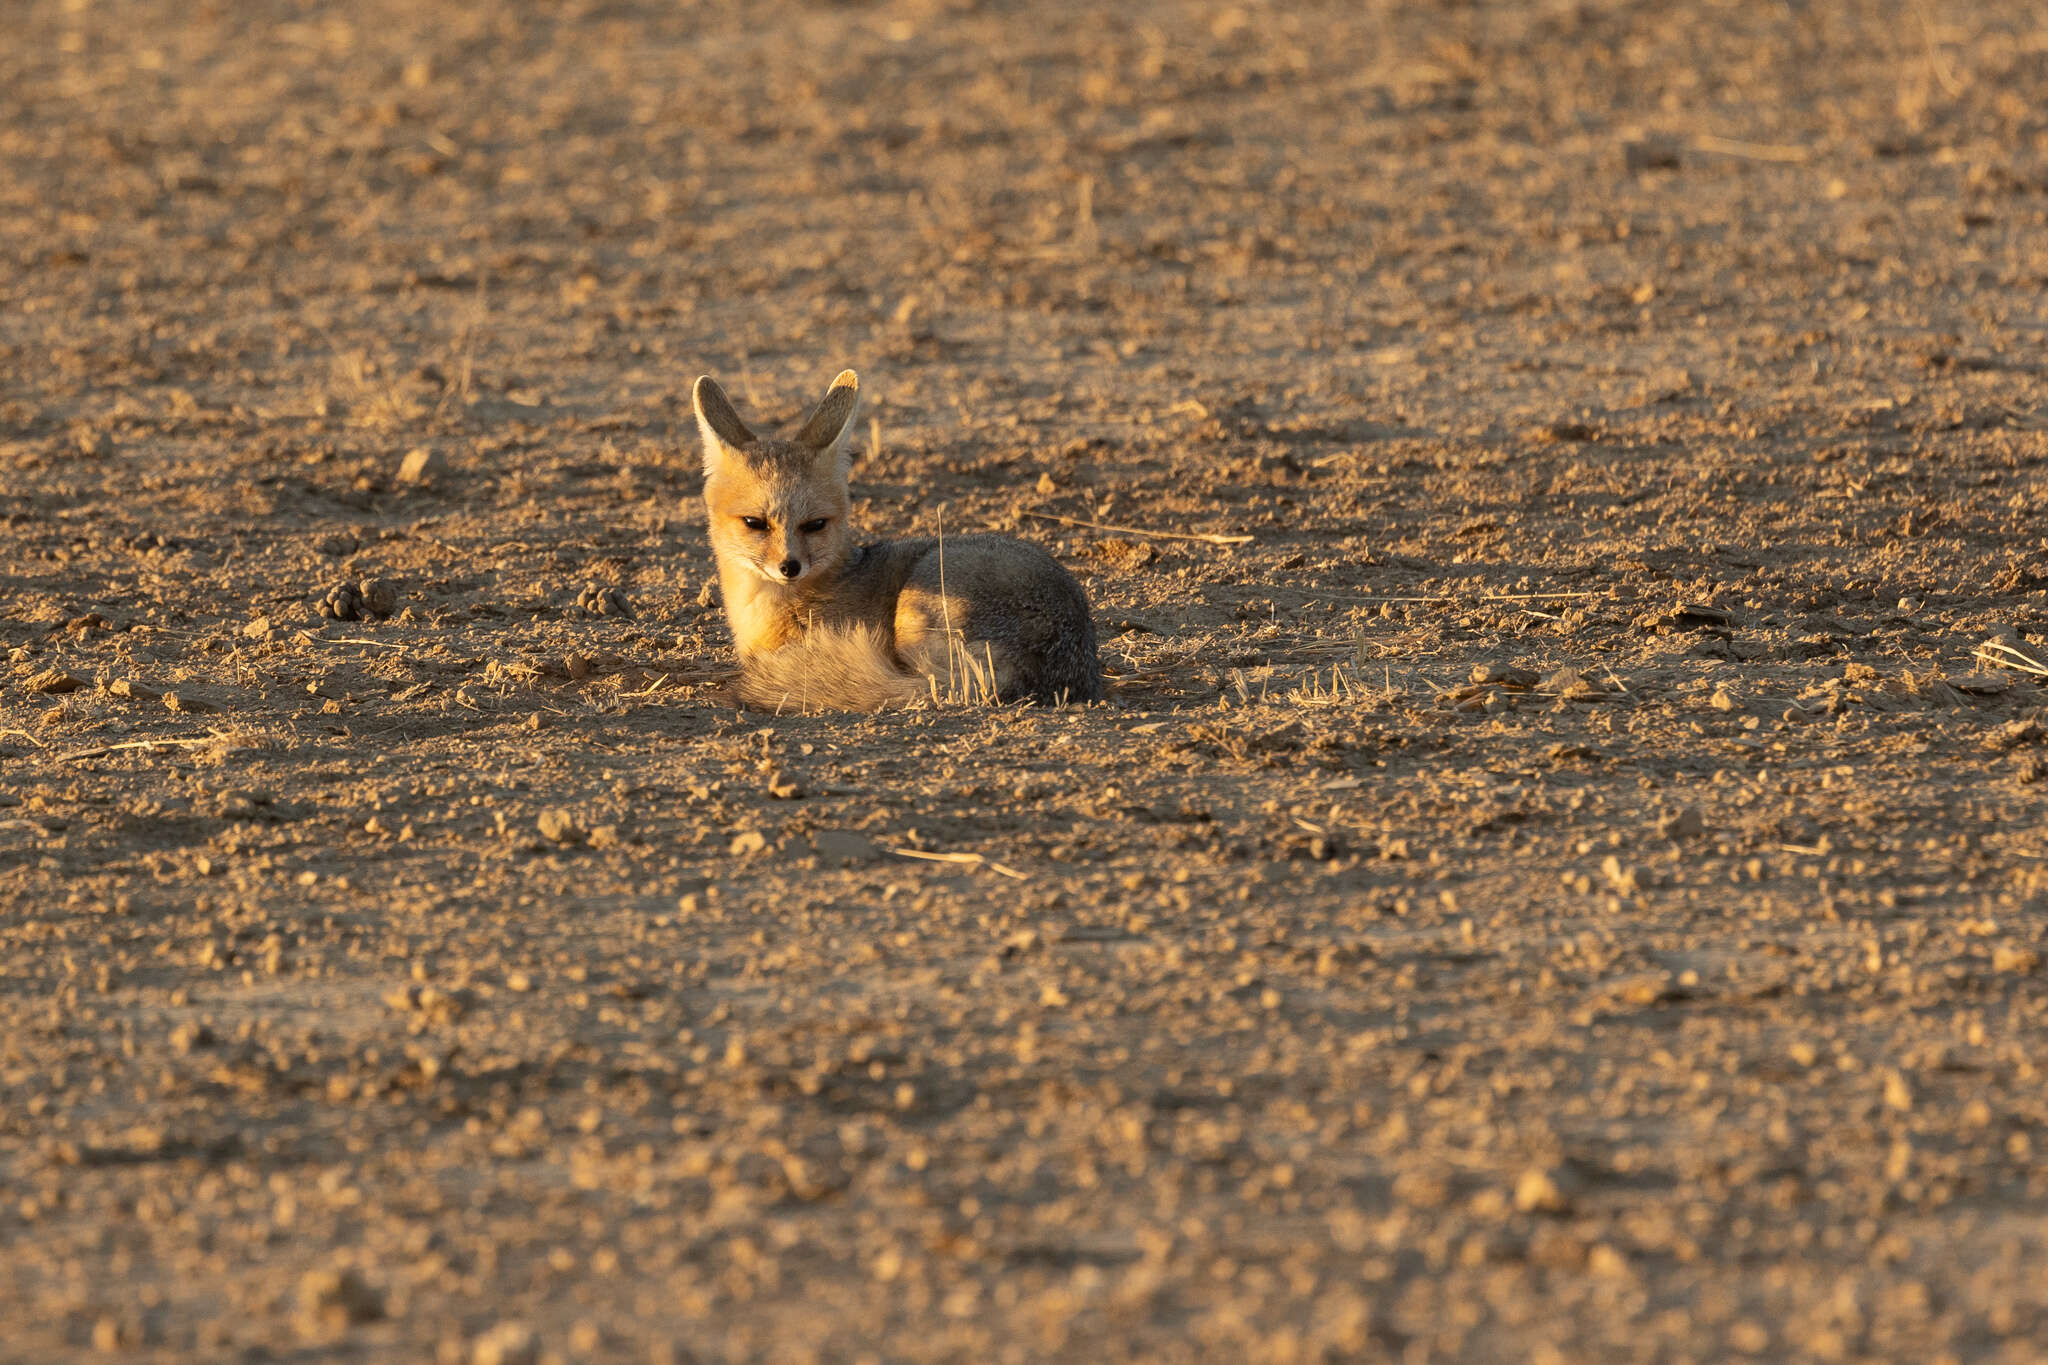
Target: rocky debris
596,599
187,703
1686,616
240,803
1684,823
2013,734
1124,555
1572,685
431,1004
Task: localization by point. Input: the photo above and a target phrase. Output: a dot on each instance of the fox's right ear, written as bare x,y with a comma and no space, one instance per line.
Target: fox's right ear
723,431
826,427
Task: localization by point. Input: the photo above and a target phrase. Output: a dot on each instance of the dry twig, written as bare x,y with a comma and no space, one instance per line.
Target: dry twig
174,742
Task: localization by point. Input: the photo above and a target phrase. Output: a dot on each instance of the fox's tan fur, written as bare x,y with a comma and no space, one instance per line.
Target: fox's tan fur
821,620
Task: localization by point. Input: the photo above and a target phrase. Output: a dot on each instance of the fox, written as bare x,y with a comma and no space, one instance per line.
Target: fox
823,620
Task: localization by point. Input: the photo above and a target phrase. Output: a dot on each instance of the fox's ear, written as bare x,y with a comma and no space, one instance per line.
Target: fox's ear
825,429
717,423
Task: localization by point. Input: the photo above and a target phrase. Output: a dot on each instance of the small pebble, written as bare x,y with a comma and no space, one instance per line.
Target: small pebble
1540,1191
419,466
509,1343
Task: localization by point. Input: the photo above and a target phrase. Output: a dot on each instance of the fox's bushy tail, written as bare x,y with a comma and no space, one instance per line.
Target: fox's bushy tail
837,668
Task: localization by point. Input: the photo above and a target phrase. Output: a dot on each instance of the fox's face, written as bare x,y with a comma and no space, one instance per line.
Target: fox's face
777,509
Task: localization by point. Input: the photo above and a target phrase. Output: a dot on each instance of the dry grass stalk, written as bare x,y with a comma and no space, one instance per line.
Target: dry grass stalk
963,859
1752,151
2005,656
1205,537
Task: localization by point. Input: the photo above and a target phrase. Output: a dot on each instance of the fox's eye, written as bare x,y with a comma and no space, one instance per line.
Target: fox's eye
814,525
754,523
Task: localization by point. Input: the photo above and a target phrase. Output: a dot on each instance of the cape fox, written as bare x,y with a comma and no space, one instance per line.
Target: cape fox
822,620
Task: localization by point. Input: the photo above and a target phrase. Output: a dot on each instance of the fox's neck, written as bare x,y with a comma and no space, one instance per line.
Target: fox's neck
764,615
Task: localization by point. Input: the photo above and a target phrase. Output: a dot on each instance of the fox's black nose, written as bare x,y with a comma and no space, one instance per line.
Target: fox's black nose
792,567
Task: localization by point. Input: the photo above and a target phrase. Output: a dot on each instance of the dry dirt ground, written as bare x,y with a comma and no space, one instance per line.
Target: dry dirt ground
470,982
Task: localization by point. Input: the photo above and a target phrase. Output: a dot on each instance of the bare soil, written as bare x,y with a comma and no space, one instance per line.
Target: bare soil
1570,887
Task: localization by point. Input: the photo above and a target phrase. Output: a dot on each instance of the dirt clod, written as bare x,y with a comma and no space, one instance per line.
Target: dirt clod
342,603
561,827
52,681
598,600
377,597
331,1300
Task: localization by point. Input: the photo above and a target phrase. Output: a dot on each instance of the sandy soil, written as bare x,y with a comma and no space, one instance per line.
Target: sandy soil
1571,887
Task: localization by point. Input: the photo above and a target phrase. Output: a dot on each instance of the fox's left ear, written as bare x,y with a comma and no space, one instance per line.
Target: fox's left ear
717,423
824,431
